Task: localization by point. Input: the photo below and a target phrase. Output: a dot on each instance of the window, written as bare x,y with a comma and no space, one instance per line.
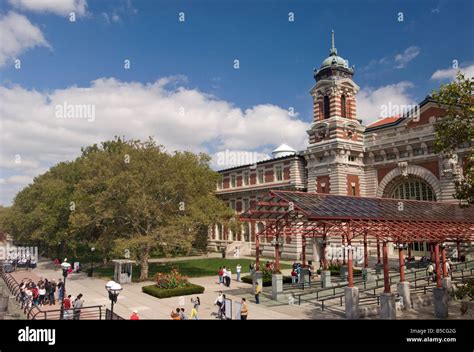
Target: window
261,176
378,158
326,107
353,190
246,231
246,179
246,204
391,156
350,135
278,173
414,189
260,229
321,159
343,106
352,158
418,151
430,149
232,181
404,154
232,204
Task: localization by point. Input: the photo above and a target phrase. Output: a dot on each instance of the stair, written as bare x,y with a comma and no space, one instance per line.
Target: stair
243,249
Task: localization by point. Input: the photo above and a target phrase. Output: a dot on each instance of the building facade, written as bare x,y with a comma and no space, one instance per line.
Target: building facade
392,158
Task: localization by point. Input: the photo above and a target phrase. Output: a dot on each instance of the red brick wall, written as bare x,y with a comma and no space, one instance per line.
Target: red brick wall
253,179
269,175
239,181
226,183
353,179
432,166
383,171
320,180
425,116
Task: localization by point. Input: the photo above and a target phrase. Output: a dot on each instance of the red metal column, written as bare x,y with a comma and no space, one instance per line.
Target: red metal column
401,263
438,271
386,282
378,251
257,253
277,254
366,253
343,250
325,259
443,258
303,251
349,265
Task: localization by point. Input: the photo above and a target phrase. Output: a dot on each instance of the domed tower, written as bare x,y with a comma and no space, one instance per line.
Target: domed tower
335,151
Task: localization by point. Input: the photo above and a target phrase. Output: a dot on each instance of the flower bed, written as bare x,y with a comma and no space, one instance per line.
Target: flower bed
171,284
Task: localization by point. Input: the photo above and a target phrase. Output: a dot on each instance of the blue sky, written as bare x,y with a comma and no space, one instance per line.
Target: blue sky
399,61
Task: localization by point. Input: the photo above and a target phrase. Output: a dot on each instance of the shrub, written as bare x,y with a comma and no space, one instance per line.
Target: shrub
158,292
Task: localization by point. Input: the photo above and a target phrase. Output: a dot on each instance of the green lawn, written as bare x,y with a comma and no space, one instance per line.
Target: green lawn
190,268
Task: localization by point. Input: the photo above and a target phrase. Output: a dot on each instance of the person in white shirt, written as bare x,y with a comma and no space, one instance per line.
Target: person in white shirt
218,302
228,277
238,269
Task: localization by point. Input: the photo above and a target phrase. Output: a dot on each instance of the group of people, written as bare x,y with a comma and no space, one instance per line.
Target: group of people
225,275
180,313
221,303
43,293
431,269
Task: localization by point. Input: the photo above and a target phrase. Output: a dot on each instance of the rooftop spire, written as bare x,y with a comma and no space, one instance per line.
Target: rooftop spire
333,50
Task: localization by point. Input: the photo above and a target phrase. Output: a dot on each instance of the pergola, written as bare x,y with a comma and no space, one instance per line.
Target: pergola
301,214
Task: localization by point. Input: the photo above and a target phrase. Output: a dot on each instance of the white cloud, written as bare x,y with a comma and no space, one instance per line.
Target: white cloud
450,73
372,103
177,117
58,7
17,35
401,60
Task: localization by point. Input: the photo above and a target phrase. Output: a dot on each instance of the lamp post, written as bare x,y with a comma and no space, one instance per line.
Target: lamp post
65,267
114,289
92,262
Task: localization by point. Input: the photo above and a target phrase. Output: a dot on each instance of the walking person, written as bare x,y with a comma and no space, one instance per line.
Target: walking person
219,302
238,270
196,303
78,303
61,292
430,271
244,309
220,274
228,276
258,289
52,291
294,276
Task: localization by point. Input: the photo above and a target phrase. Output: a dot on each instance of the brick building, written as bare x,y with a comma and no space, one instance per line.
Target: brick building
393,158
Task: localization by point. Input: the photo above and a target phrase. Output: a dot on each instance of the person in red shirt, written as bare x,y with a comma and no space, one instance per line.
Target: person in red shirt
134,316
67,302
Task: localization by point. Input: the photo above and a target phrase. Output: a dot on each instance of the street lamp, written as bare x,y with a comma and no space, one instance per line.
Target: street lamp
114,290
92,261
65,267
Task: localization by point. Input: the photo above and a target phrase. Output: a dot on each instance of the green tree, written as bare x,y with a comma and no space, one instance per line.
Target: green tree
143,198
457,128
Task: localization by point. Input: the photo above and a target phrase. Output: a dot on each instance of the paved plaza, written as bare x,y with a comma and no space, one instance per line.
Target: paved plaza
149,307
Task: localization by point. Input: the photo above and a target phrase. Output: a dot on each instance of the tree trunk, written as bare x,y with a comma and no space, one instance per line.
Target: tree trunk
144,264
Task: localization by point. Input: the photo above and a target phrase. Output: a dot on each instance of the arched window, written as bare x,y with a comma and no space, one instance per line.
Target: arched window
326,107
343,106
414,189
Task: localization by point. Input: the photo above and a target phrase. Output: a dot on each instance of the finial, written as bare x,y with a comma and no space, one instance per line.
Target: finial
333,41
333,50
